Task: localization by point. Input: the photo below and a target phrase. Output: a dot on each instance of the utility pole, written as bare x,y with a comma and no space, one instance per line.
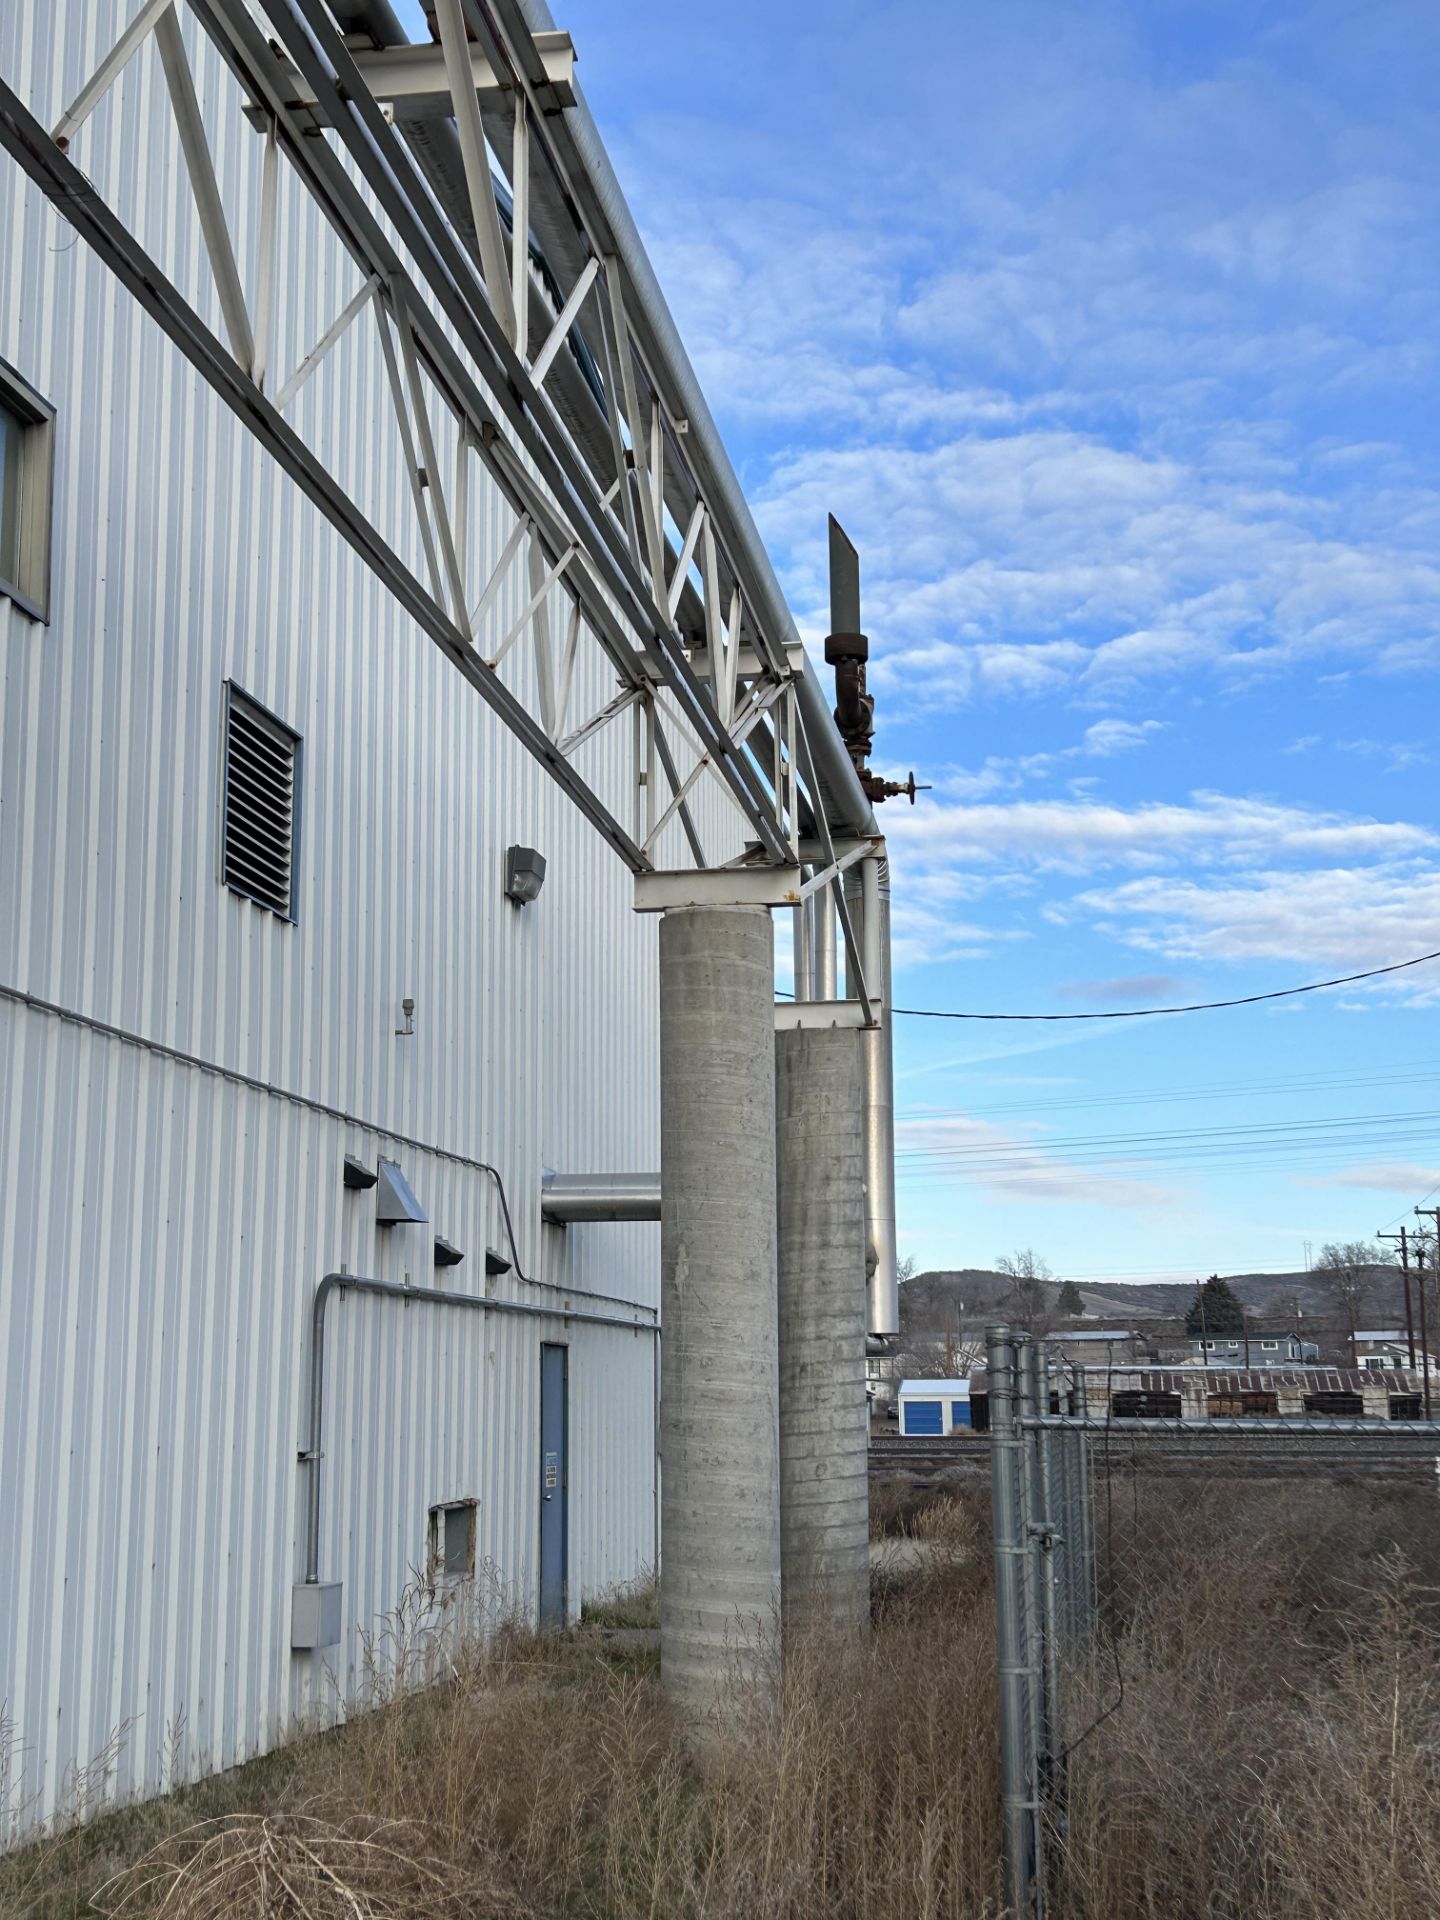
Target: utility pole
1404,1240
1425,1213
1204,1330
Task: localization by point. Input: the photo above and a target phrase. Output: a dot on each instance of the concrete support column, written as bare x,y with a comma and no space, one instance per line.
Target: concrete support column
719,1416
820,1168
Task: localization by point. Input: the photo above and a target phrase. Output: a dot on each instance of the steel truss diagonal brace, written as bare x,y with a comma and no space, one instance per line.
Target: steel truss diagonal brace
385,165
451,331
27,141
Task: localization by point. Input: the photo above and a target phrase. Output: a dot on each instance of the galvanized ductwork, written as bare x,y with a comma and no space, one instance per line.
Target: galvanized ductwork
566,1199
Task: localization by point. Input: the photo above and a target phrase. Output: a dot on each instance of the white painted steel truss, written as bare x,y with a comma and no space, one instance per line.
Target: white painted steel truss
495,350
476,331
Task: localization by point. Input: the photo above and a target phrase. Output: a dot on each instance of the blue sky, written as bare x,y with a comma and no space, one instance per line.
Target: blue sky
1108,332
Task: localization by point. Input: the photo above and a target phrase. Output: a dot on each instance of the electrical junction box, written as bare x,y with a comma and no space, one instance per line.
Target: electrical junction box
315,1614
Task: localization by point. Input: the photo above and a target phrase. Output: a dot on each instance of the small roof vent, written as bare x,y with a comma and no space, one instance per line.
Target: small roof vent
261,807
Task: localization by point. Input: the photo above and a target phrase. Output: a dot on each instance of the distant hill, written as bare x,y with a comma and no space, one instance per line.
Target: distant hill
932,1300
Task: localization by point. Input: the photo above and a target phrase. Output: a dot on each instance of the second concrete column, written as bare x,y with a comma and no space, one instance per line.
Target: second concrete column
824,1437
719,1422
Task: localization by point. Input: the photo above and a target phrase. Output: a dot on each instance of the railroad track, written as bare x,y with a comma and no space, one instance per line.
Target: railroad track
1278,1456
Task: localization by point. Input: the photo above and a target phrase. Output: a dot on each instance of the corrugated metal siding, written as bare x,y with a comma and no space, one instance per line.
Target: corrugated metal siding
163,1228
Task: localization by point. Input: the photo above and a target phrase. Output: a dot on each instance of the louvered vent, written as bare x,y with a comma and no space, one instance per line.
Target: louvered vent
262,764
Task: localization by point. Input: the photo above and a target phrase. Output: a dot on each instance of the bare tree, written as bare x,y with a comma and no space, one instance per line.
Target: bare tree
1350,1266
1029,1298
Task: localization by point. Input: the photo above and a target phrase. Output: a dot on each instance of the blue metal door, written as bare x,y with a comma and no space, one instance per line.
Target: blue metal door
554,1485
921,1416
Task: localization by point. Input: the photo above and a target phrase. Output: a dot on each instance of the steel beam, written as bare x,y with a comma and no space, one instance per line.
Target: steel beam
658,892
854,1014
416,79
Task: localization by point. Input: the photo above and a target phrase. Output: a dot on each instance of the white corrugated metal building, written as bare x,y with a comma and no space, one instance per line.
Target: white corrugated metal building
183,1071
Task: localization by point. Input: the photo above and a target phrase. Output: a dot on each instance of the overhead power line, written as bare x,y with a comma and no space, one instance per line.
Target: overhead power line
1418,1073
1197,1006
1157,1137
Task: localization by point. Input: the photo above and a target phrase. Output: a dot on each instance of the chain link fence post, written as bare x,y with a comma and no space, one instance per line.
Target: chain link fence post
1085,1528
1023,1374
1047,1538
1068,1513
1018,1799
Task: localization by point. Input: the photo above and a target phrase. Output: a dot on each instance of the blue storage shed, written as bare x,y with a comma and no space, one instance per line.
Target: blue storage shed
934,1408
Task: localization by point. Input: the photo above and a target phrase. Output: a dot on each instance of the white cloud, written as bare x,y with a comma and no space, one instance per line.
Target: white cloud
1342,918
1090,835
1124,989
1388,1176
974,1152
1004,773
1044,561
1107,737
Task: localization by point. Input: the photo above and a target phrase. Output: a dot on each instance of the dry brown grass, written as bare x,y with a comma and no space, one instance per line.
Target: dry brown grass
1276,1751
1276,1757
547,1777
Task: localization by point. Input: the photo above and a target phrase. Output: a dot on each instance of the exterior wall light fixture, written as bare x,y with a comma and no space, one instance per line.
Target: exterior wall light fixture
524,875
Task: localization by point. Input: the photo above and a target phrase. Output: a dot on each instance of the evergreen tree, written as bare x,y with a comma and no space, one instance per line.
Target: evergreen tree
1215,1309
1070,1300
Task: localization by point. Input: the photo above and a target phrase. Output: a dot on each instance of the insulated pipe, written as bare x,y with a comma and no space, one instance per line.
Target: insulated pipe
567,1198
822,945
801,969
824,1490
719,1411
873,930
435,1296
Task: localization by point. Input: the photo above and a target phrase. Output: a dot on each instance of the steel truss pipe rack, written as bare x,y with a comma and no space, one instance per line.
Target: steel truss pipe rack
521,326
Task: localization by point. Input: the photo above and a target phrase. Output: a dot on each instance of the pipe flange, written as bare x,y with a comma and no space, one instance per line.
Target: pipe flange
843,647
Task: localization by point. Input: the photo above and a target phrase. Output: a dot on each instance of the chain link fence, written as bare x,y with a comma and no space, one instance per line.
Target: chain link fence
1149,1521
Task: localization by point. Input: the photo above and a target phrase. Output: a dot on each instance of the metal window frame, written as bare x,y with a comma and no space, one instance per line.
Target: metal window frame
440,1511
31,591
230,692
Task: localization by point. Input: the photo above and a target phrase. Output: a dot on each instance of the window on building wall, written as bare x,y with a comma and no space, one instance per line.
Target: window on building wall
452,1540
27,465
260,811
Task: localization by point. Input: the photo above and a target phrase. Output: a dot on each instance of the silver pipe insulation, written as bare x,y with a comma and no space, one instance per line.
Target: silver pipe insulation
435,1296
568,1198
867,893
822,946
